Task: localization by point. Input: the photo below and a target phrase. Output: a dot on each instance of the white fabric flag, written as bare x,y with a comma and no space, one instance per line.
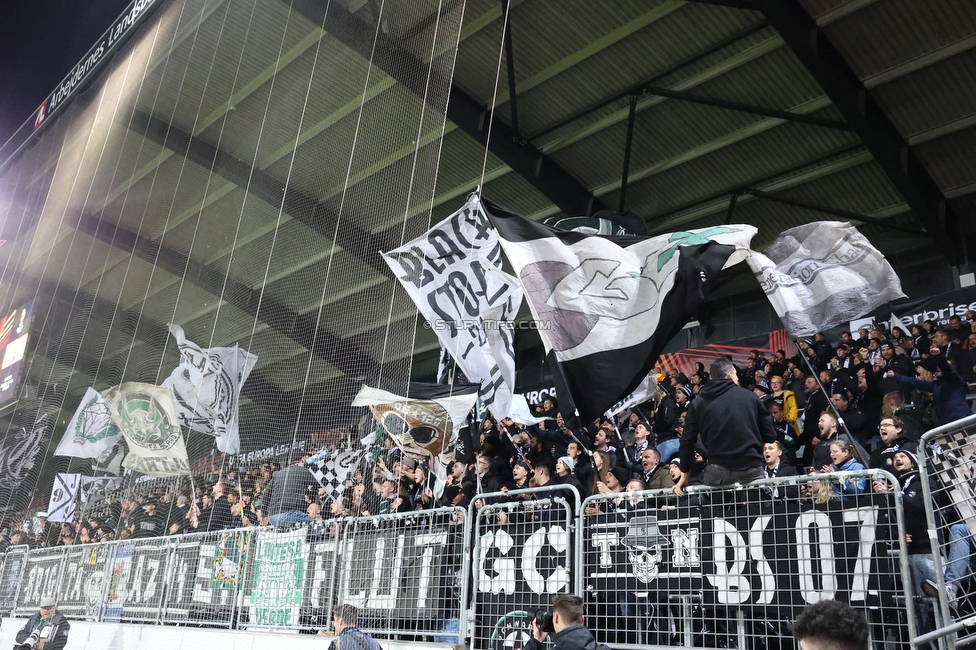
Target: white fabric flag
207,387
521,413
647,390
822,274
94,489
64,492
146,414
91,432
426,422
453,274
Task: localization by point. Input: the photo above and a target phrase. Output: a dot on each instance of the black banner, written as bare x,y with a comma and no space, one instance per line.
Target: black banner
519,569
771,555
42,571
405,571
13,564
83,586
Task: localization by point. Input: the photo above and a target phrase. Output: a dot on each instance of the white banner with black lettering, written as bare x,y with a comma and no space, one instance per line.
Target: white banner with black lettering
453,274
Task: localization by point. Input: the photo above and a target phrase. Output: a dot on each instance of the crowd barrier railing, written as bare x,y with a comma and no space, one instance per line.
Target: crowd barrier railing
732,567
947,467
523,554
722,567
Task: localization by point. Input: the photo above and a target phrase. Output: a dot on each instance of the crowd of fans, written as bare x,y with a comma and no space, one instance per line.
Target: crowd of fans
834,407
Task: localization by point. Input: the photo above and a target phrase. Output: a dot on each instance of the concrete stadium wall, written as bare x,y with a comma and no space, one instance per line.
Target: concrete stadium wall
120,636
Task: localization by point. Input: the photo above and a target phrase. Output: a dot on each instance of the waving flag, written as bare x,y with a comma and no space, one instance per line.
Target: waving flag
146,415
606,306
823,274
64,493
425,422
207,386
331,472
91,432
453,274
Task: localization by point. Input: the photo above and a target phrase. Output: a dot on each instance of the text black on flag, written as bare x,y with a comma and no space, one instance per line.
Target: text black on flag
453,274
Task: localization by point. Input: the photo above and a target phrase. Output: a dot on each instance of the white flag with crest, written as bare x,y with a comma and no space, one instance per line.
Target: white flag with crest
91,432
823,274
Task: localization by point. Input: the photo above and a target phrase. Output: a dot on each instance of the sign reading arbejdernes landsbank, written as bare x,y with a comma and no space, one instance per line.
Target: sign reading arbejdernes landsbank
138,10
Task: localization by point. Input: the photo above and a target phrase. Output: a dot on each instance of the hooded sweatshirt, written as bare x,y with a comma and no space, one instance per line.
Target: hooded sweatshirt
733,425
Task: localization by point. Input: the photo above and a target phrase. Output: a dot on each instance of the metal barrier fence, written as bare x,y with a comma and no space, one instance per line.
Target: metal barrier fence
727,567
523,554
732,567
947,466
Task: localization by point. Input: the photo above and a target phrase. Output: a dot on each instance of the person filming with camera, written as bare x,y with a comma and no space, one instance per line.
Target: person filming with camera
46,630
566,626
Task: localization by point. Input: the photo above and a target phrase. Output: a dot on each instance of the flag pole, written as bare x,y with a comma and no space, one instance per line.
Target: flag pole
816,375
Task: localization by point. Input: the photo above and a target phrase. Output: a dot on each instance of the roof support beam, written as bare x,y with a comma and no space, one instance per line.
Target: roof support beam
846,91
837,212
317,216
740,188
510,66
468,113
638,89
685,96
301,328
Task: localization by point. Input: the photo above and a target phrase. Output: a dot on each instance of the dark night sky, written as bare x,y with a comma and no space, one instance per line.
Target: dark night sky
40,41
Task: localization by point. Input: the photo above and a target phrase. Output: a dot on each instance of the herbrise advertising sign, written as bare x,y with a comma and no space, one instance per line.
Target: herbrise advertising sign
938,309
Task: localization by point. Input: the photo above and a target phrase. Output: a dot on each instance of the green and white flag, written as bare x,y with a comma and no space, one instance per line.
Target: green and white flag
91,432
278,578
146,415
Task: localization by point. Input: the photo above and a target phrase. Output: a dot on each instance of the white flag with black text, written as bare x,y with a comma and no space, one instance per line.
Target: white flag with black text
823,274
207,386
453,274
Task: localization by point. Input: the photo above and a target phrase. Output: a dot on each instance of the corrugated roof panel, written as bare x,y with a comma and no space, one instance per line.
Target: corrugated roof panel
931,97
628,62
889,33
949,159
754,46
783,147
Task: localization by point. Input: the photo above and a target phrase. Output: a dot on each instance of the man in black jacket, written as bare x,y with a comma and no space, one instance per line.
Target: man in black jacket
567,621
733,425
48,628
283,501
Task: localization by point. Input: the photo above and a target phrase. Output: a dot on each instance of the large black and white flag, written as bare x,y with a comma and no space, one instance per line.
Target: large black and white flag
606,306
19,452
425,422
207,386
453,274
332,471
823,274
